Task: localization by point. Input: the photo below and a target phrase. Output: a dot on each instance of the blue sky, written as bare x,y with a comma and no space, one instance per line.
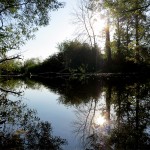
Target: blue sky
47,38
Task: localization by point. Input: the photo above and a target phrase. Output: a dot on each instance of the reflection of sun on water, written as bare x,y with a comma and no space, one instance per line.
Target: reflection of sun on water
100,120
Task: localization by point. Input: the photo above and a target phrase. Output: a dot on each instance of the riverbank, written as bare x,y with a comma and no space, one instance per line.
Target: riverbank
101,75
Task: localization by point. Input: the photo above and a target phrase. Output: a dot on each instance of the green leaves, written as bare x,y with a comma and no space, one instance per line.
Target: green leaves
20,19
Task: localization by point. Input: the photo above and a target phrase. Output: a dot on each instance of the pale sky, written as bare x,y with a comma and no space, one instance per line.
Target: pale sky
60,29
47,38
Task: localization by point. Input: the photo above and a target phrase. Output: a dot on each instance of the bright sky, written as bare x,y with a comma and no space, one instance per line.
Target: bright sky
60,29
47,38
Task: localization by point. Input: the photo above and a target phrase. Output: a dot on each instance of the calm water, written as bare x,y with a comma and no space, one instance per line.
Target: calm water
91,114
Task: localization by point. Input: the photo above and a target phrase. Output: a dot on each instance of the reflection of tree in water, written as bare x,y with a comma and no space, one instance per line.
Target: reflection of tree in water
92,117
21,129
133,118
73,91
77,92
125,109
127,118
16,83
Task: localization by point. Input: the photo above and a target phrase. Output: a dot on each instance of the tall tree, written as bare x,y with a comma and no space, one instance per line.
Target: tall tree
107,42
100,7
84,18
131,19
131,26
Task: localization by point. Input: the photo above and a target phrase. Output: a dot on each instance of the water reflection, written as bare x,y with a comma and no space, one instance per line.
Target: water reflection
121,121
99,120
109,114
73,92
20,128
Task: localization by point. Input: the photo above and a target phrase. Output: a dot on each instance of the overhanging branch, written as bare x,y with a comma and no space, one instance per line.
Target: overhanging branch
10,58
9,91
135,9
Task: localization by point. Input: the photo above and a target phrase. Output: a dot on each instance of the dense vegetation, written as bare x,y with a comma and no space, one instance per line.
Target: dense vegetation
126,37
75,57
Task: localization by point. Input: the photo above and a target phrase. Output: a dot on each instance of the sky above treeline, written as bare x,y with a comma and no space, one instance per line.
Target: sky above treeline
47,38
62,27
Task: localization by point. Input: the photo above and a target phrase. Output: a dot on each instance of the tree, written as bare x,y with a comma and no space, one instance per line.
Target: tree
107,42
131,21
85,19
12,66
19,19
99,8
29,64
80,56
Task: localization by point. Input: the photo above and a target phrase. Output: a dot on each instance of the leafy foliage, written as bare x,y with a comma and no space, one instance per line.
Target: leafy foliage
19,19
73,57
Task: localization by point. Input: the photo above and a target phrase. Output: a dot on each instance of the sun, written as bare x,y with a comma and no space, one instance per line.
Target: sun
99,26
100,120
99,23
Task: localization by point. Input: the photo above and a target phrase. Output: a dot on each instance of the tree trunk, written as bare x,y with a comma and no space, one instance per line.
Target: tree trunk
127,37
108,102
118,40
137,114
137,35
107,43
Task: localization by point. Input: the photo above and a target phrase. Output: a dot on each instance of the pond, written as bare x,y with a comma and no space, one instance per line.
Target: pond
80,113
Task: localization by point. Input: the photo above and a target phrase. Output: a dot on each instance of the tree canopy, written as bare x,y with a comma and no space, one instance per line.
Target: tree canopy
19,19
126,31
125,36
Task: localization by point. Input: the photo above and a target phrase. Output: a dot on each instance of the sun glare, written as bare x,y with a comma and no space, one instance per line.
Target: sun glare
99,27
99,24
100,120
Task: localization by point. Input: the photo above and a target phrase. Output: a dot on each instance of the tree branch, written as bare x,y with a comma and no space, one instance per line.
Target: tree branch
134,9
10,58
9,91
15,5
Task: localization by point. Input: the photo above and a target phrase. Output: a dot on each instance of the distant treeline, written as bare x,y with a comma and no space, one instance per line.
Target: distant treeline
77,57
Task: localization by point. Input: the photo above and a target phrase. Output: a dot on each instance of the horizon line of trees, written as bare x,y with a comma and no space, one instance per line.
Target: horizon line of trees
75,57
128,51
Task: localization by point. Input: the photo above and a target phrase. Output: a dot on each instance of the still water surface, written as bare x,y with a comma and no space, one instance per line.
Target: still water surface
89,113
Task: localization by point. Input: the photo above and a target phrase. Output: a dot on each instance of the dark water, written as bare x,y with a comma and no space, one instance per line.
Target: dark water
91,114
